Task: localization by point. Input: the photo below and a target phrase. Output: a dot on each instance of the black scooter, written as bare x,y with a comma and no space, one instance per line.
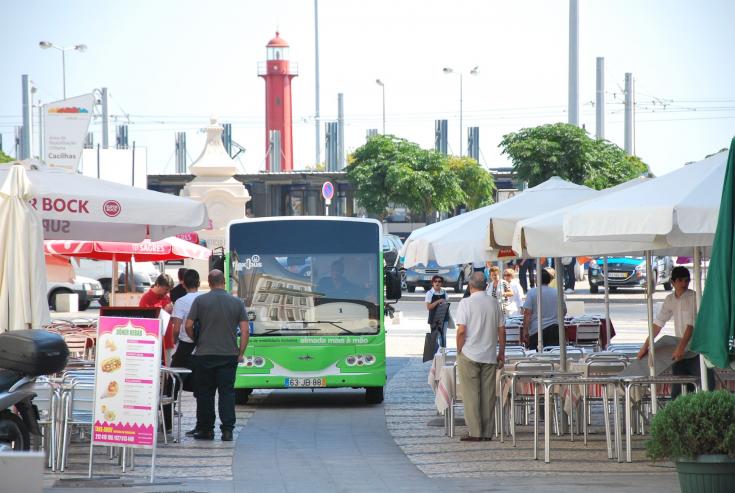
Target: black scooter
25,355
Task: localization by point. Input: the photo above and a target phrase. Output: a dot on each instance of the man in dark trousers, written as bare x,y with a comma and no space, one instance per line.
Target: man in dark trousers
216,354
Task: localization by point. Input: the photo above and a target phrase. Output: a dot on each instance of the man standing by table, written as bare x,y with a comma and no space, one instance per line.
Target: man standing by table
549,320
480,352
681,305
216,354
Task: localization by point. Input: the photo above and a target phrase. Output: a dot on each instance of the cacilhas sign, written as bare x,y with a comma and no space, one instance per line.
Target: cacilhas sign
65,127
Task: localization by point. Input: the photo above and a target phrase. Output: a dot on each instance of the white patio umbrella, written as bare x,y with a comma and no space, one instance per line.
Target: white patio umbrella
549,195
457,240
676,210
76,207
23,303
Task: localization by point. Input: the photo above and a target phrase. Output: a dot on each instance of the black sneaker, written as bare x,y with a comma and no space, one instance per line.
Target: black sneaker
226,435
191,432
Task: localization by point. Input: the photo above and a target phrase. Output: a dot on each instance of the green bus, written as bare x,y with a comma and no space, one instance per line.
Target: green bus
314,289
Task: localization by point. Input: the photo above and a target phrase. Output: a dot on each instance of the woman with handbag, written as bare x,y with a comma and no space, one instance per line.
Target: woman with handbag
435,297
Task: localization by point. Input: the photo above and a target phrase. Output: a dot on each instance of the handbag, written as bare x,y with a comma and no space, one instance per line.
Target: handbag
430,345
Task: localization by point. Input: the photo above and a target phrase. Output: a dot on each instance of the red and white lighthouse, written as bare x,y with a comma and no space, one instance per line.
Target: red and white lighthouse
278,71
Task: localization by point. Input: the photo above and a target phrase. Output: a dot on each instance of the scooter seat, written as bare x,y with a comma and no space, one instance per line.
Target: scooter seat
8,379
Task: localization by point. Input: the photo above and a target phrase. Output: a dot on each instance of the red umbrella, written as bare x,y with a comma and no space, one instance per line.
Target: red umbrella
171,248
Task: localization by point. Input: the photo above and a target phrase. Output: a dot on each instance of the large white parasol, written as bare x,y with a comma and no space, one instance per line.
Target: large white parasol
23,303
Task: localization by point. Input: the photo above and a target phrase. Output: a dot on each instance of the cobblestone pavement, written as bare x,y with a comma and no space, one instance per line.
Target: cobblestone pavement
409,407
174,461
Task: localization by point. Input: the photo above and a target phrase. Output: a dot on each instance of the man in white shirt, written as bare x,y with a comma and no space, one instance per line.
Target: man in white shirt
549,317
182,356
681,305
480,352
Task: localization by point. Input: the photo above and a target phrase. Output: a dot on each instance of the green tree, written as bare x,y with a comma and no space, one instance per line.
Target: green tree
567,151
4,158
389,170
477,183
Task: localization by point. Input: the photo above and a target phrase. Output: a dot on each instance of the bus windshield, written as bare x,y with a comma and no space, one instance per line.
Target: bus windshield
315,287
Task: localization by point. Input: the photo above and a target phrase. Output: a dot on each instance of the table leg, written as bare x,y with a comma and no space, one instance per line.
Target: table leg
535,421
547,424
584,412
502,412
512,409
606,417
618,436
628,425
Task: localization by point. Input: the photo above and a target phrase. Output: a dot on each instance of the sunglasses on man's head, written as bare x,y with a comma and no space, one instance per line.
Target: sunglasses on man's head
437,281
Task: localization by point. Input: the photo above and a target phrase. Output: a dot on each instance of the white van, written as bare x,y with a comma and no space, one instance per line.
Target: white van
61,279
144,273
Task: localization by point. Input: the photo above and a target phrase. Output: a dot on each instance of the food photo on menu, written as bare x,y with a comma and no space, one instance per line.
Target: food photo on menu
108,382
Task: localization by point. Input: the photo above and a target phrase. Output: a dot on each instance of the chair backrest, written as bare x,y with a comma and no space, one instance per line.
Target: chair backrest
608,356
572,352
539,366
81,395
588,333
603,367
45,391
512,334
575,308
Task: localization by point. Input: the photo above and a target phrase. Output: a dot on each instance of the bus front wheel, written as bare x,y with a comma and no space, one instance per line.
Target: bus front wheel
374,395
242,396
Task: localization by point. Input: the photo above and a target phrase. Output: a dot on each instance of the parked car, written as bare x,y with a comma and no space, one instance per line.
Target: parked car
392,246
455,276
61,279
629,272
145,274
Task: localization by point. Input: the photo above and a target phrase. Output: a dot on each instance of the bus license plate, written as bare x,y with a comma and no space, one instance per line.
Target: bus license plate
305,382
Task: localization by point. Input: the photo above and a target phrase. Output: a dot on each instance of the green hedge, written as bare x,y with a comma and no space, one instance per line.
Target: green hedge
694,424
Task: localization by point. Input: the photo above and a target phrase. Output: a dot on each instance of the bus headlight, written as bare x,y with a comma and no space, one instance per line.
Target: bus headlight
253,362
360,359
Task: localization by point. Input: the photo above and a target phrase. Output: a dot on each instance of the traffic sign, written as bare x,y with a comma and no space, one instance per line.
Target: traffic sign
327,190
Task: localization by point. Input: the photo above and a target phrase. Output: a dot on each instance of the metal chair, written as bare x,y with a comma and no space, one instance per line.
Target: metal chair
588,335
78,412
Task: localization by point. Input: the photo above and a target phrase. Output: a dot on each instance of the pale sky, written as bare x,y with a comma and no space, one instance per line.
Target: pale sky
169,65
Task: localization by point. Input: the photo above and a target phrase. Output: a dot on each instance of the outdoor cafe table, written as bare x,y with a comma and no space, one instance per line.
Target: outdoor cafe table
509,378
570,380
629,383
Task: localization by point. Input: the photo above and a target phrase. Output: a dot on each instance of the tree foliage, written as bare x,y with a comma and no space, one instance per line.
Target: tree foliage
388,170
4,158
477,183
567,151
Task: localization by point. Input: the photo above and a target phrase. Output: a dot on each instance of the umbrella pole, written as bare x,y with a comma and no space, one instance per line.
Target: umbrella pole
113,282
607,297
697,259
560,315
539,321
651,348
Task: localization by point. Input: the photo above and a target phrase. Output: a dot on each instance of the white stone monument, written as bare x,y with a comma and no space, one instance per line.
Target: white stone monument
215,185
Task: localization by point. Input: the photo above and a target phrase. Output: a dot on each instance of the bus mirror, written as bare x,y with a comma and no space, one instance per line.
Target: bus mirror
390,258
392,281
217,260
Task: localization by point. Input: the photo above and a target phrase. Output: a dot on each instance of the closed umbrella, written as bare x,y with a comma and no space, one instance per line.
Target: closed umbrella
23,303
715,334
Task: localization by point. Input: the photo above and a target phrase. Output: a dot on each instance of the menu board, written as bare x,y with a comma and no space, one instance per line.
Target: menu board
127,381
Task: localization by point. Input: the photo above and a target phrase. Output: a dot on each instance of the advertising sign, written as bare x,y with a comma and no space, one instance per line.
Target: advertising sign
127,379
65,127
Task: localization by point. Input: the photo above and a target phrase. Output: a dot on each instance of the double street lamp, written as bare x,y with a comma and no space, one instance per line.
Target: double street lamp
474,71
63,49
382,85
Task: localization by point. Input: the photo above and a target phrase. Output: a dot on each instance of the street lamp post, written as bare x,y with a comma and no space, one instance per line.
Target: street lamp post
382,86
474,71
63,49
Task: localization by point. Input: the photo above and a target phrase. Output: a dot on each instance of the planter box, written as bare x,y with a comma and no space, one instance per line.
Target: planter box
706,473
